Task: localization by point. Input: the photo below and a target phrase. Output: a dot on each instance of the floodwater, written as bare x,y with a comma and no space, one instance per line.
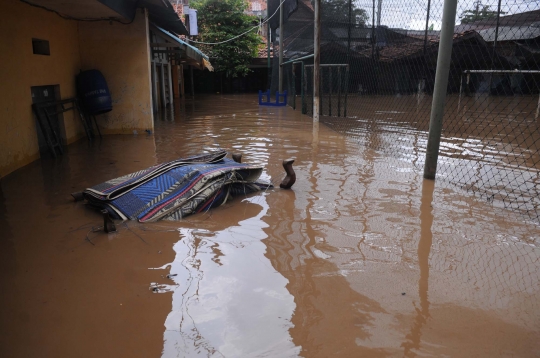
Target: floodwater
359,259
490,145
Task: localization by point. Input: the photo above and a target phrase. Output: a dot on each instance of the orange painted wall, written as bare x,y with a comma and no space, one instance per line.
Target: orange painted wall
121,53
20,69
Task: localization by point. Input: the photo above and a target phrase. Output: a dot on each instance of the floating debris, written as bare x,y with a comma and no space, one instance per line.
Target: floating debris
176,189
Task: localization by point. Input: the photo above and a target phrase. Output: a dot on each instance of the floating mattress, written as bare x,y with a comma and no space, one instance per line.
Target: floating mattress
176,189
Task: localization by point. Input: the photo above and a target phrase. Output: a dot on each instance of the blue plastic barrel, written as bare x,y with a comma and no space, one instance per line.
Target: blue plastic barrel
94,92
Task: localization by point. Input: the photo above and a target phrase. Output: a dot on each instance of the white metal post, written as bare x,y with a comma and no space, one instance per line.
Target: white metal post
281,35
439,92
316,60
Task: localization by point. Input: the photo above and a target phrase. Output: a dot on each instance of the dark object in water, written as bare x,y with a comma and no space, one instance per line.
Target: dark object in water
78,196
290,179
108,224
237,157
176,189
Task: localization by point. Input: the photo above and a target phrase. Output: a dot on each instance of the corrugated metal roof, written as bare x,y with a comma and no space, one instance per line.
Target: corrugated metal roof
511,33
191,51
520,19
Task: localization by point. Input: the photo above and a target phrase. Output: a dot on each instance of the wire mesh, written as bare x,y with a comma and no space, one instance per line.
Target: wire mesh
490,144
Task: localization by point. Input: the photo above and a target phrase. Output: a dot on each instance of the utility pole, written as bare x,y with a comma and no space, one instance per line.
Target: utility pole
379,8
349,33
316,60
427,26
494,51
439,92
268,46
281,35
373,32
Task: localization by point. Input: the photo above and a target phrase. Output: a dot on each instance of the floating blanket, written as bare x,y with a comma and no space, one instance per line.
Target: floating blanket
176,189
113,188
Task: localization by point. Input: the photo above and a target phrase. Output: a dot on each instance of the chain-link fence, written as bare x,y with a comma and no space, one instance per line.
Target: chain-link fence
378,75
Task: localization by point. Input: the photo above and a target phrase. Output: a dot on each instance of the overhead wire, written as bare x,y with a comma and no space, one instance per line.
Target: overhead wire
69,17
243,33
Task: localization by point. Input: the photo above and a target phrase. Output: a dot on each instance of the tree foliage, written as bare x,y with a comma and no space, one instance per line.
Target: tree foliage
221,20
337,11
480,12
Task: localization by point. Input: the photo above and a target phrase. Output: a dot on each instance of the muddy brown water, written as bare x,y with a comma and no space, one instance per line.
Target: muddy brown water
490,144
359,259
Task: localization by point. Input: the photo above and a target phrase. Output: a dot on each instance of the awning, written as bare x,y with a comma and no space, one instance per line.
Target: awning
190,54
162,13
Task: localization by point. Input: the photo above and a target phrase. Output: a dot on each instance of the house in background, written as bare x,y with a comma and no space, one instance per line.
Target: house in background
46,43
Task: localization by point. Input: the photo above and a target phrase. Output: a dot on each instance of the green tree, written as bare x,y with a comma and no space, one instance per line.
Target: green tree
480,12
337,11
220,20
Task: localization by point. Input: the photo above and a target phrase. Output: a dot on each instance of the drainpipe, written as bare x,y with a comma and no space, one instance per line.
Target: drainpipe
316,60
439,92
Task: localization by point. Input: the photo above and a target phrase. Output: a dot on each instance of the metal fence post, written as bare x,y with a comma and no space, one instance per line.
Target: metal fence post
346,90
321,90
439,92
306,76
339,91
316,60
427,26
293,91
302,90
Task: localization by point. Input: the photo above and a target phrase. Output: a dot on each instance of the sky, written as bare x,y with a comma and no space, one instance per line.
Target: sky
411,14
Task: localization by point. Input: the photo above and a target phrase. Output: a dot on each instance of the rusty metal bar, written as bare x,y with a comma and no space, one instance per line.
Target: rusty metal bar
293,92
339,92
346,90
321,90
304,89
338,65
297,60
330,83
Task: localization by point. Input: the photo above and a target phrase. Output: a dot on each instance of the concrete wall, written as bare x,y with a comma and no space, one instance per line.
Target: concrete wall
20,69
121,53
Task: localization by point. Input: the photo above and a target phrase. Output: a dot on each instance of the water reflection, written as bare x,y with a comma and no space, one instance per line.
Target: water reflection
352,235
228,300
315,271
490,145
414,338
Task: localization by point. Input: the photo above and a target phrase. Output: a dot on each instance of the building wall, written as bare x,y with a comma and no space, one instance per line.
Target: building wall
256,6
121,53
20,69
